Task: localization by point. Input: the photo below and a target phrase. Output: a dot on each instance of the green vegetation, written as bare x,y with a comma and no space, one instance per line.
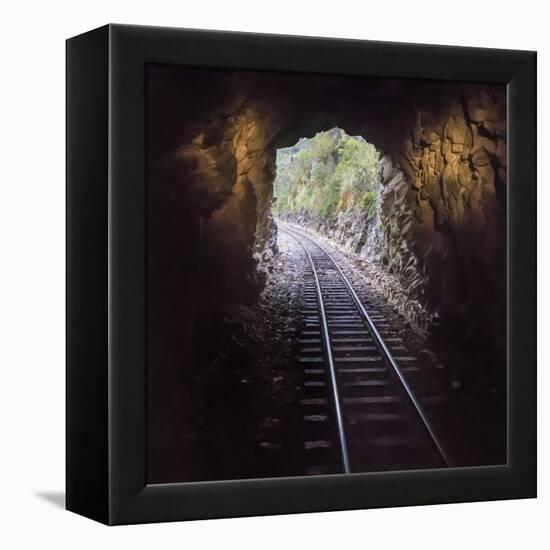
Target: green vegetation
327,174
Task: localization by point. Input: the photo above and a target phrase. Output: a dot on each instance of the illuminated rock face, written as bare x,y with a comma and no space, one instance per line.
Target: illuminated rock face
455,168
442,191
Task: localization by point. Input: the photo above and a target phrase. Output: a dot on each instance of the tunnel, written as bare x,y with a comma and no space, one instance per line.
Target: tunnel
435,240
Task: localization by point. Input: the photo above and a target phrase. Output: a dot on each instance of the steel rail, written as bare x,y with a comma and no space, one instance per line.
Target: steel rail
344,454
384,350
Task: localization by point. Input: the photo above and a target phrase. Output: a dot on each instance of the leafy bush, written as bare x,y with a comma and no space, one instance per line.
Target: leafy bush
326,174
370,203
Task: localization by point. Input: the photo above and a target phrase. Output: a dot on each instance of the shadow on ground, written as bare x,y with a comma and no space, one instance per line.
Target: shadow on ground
55,498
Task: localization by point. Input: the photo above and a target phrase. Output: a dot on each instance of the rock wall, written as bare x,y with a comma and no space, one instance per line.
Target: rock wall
451,211
228,171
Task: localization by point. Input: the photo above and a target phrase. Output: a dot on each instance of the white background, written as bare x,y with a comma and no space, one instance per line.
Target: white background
32,133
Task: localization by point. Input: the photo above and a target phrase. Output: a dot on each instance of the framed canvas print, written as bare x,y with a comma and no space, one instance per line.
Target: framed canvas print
300,274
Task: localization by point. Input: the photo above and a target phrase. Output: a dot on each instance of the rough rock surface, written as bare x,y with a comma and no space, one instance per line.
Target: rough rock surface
451,208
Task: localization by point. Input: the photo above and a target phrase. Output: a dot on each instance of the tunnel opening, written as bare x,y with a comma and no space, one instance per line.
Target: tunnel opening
331,184
342,188
322,177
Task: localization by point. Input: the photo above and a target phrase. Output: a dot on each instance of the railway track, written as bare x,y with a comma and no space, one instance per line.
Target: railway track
359,411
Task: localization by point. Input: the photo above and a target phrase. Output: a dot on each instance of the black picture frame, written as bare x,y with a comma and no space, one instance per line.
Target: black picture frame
106,275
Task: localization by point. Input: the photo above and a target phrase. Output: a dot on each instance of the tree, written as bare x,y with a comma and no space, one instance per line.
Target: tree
326,174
